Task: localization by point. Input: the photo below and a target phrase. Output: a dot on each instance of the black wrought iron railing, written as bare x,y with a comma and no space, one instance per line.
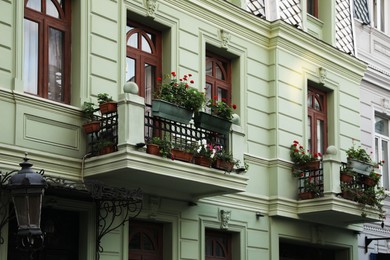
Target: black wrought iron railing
312,181
178,135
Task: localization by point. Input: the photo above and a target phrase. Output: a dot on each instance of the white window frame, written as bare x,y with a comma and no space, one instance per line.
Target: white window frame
379,14
378,139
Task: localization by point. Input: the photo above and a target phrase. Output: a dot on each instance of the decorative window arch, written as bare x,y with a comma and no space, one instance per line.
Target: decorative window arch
143,58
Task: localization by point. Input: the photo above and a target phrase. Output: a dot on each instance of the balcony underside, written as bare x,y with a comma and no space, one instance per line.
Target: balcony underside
335,211
162,177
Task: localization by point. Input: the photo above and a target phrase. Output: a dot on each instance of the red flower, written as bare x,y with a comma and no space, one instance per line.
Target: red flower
190,75
301,147
159,79
173,73
215,97
191,81
296,150
224,100
234,106
186,85
296,142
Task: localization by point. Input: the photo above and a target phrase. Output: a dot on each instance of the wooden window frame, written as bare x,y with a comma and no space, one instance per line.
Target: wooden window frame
314,115
45,22
217,83
141,57
147,228
313,12
214,235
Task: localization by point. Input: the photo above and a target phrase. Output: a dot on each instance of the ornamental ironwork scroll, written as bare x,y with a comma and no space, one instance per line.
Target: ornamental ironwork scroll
111,204
5,214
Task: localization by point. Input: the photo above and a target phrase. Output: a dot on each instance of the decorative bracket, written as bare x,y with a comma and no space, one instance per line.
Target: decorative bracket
367,242
5,215
111,203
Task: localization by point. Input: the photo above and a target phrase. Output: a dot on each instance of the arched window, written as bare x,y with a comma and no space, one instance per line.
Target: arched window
317,120
218,245
143,58
145,240
46,66
218,78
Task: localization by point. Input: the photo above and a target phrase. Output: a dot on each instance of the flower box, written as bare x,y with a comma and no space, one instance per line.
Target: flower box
346,177
223,165
359,166
306,195
212,123
91,127
109,107
370,182
313,165
181,155
202,161
163,109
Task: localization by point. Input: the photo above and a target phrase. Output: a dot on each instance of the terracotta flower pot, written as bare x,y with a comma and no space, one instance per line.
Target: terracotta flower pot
223,165
91,127
306,195
369,181
107,149
153,149
109,107
345,177
202,161
181,155
313,165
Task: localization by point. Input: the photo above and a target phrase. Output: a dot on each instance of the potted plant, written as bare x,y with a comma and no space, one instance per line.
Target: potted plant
176,100
359,160
204,153
347,176
311,188
372,179
372,197
92,125
104,146
106,104
303,159
182,152
158,146
223,159
219,118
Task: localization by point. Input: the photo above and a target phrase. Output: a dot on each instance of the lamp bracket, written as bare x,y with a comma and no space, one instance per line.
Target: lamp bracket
367,241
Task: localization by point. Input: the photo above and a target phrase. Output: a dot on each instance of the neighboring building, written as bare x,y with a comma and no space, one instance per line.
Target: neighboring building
289,66
373,44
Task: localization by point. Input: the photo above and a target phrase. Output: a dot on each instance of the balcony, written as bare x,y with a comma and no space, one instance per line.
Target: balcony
129,166
337,201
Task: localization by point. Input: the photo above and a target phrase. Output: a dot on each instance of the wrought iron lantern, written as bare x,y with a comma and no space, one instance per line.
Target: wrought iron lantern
27,189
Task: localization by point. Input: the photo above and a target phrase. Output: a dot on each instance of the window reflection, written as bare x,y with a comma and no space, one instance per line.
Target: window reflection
30,63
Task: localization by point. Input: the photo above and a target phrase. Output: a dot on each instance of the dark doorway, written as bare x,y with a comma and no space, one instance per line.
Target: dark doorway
61,230
289,251
145,241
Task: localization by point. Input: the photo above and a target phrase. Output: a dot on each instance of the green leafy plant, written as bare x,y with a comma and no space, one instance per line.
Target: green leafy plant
300,156
221,108
311,184
163,145
204,149
89,110
224,155
104,98
179,92
358,153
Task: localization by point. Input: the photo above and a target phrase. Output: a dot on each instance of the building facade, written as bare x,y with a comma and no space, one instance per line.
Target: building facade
288,66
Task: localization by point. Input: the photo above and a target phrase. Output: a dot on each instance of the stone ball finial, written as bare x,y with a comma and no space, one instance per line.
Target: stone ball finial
130,87
331,150
236,119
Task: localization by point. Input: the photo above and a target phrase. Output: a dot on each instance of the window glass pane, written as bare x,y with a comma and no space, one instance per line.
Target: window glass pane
317,103
130,69
133,40
309,133
56,72
222,94
51,9
145,45
310,101
30,63
219,249
209,68
219,73
320,136
35,5
381,126
147,242
150,77
209,247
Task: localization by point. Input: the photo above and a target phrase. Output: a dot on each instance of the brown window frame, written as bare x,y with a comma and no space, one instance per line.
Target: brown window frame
314,115
45,22
314,11
141,57
151,230
216,236
218,83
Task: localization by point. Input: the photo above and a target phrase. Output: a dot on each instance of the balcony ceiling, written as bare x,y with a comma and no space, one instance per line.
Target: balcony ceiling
162,177
335,211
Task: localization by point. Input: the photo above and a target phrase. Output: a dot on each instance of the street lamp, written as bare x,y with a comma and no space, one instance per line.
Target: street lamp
27,188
